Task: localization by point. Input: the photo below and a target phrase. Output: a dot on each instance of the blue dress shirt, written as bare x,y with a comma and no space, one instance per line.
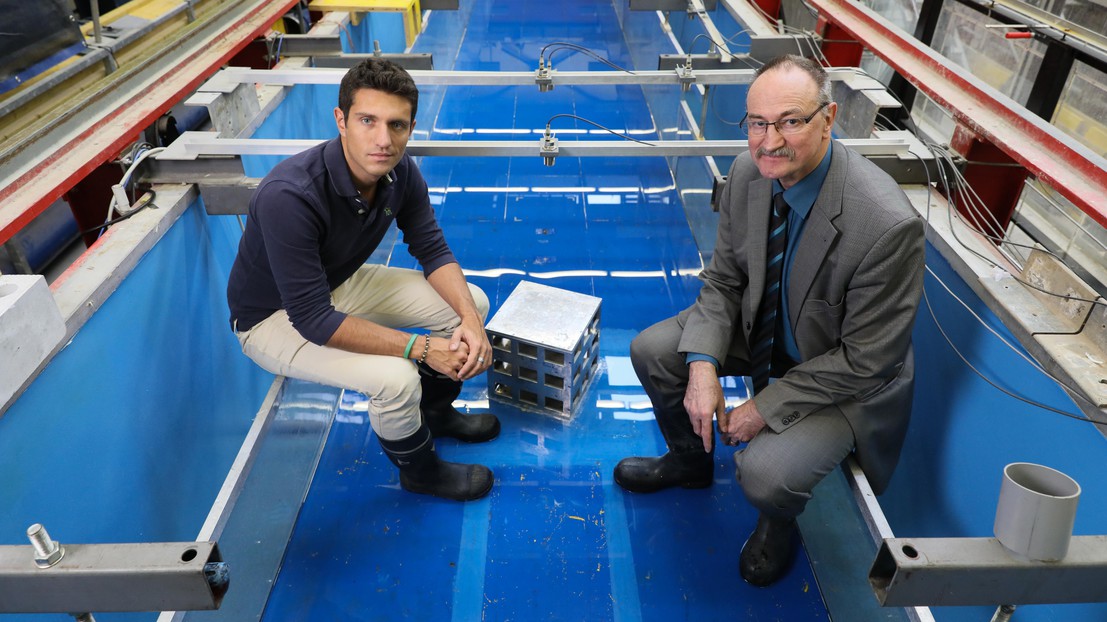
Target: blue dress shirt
801,198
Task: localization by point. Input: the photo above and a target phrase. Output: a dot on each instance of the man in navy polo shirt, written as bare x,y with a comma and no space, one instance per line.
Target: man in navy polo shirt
304,303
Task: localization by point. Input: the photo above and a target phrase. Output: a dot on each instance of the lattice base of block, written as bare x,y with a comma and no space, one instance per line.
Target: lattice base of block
545,345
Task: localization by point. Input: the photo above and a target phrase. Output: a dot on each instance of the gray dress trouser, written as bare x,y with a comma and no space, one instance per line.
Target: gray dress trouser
777,471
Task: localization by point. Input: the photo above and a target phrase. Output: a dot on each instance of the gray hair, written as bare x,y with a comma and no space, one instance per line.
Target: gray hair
813,69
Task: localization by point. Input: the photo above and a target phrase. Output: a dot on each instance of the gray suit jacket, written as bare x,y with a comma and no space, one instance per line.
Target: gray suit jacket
853,293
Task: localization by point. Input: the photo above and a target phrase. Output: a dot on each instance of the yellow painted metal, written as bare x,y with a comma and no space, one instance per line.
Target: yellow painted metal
146,9
410,8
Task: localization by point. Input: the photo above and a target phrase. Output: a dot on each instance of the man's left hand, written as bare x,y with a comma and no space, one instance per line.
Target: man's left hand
480,351
741,424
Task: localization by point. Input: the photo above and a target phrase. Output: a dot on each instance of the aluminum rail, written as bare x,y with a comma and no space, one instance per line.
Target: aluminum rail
51,163
226,79
1047,153
192,145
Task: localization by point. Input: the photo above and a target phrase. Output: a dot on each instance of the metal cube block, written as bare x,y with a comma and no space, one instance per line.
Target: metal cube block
544,349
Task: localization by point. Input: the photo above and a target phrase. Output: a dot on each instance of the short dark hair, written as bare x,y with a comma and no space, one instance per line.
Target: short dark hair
380,75
811,68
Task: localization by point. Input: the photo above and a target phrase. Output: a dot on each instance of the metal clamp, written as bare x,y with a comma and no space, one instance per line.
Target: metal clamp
548,148
685,75
543,77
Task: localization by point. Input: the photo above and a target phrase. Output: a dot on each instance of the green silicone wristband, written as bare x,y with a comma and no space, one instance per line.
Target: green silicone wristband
410,342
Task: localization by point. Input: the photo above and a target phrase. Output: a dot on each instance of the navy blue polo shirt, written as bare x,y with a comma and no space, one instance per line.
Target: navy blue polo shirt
309,230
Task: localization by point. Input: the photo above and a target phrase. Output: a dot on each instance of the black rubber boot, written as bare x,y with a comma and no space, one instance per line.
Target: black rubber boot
769,551
686,464
688,470
439,393
422,472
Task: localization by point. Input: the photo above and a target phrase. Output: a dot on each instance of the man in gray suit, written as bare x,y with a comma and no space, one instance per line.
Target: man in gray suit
850,284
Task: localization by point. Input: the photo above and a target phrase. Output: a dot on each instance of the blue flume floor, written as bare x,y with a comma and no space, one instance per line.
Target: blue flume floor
556,539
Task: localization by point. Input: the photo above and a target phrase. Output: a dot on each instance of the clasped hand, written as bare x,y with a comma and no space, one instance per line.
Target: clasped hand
464,355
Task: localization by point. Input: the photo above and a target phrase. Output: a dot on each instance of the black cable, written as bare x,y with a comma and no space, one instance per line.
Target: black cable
562,45
606,129
146,201
703,35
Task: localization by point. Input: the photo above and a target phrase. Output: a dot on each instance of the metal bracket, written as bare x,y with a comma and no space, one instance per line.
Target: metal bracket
764,48
224,187
979,571
543,77
1070,328
311,45
548,148
860,99
231,109
166,576
686,76
669,62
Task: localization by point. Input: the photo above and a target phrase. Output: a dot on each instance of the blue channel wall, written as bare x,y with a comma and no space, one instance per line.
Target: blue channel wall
128,433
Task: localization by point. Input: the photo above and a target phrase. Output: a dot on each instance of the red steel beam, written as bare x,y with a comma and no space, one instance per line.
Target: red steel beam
31,193
1045,151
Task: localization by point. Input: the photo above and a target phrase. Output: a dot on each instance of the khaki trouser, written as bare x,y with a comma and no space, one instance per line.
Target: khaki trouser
393,297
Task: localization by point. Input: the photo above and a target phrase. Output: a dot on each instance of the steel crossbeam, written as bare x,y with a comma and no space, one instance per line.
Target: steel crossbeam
192,145
227,78
1044,150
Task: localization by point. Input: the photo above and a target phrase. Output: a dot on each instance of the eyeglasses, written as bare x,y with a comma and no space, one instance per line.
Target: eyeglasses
787,125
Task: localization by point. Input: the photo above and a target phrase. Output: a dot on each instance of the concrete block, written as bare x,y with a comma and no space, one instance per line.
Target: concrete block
544,349
31,326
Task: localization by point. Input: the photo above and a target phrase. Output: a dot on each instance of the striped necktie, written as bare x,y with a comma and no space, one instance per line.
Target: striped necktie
761,350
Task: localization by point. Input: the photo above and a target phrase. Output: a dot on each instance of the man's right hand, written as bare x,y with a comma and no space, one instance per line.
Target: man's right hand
444,360
703,399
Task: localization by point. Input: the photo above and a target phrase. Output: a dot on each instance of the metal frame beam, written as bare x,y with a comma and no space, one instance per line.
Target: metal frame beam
1047,152
227,78
212,163
113,577
411,62
910,572
192,145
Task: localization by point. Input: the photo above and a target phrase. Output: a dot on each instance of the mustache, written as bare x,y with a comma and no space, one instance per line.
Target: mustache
782,152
